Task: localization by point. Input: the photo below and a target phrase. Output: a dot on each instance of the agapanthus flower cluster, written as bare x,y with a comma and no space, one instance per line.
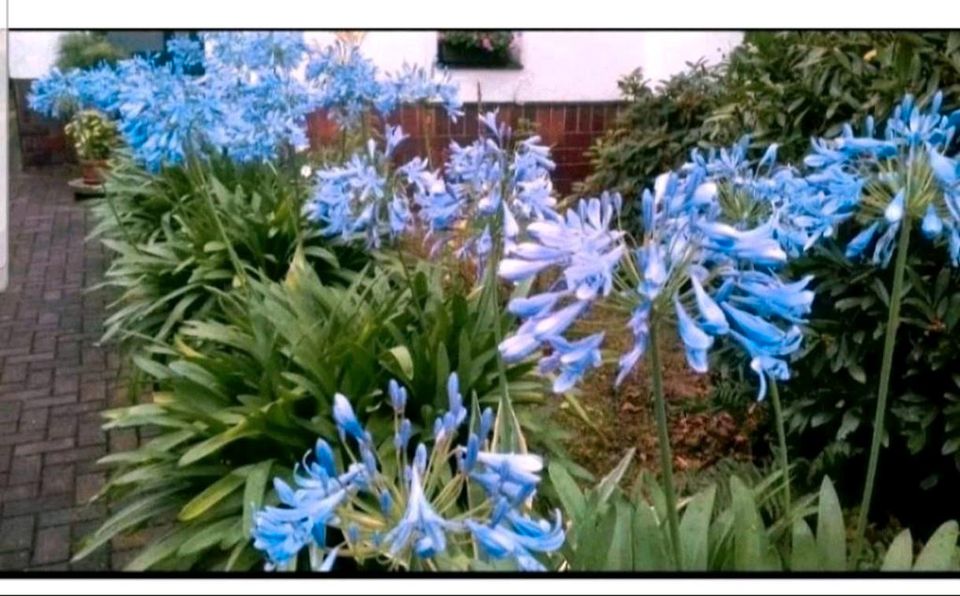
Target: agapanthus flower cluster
906,176
712,270
251,100
349,84
488,192
586,251
408,514
801,209
365,195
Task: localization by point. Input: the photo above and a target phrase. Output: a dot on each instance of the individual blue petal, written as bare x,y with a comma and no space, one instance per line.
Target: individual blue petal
695,341
862,240
944,168
518,347
558,322
345,418
324,455
398,396
714,321
932,225
517,270
894,210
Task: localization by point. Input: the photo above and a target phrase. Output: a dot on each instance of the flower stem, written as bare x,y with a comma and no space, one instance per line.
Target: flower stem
893,321
666,458
782,438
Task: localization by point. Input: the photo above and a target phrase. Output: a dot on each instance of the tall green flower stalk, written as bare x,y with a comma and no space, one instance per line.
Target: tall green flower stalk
782,456
663,441
886,368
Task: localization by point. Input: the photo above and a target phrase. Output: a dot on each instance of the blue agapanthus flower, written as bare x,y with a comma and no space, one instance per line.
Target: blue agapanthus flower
905,177
364,196
720,278
489,191
715,235
800,210
408,516
250,103
586,251
349,84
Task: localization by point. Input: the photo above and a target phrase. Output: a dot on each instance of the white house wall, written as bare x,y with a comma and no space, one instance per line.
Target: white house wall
557,65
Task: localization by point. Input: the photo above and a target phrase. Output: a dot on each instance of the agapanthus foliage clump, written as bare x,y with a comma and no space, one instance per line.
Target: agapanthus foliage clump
251,100
409,508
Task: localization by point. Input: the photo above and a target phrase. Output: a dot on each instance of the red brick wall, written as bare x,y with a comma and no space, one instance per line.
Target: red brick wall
42,140
568,128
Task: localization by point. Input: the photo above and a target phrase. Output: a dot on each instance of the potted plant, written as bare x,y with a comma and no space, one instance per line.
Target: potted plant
484,49
93,136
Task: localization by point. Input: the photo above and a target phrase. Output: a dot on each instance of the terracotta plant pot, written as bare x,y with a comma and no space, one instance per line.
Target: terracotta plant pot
92,170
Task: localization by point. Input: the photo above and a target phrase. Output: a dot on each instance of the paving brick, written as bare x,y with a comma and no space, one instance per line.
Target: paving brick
43,446
52,546
33,419
14,561
16,533
57,479
9,411
31,503
25,469
88,485
80,454
6,453
54,381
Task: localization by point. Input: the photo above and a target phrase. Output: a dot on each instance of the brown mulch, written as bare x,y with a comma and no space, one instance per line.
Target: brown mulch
700,434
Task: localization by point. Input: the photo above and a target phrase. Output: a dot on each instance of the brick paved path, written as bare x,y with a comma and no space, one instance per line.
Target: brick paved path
54,381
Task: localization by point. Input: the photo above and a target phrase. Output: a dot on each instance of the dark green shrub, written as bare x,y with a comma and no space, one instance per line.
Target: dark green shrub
86,49
833,420
779,87
657,130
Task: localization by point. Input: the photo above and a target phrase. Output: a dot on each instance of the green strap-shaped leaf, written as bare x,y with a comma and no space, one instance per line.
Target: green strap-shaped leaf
803,554
160,549
649,542
620,545
899,556
215,443
571,497
611,481
206,535
940,552
695,530
748,529
253,492
831,532
210,496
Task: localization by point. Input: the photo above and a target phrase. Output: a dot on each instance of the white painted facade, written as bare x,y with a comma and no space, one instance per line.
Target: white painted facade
557,65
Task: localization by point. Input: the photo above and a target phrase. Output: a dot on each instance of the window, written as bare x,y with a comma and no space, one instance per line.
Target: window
479,49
